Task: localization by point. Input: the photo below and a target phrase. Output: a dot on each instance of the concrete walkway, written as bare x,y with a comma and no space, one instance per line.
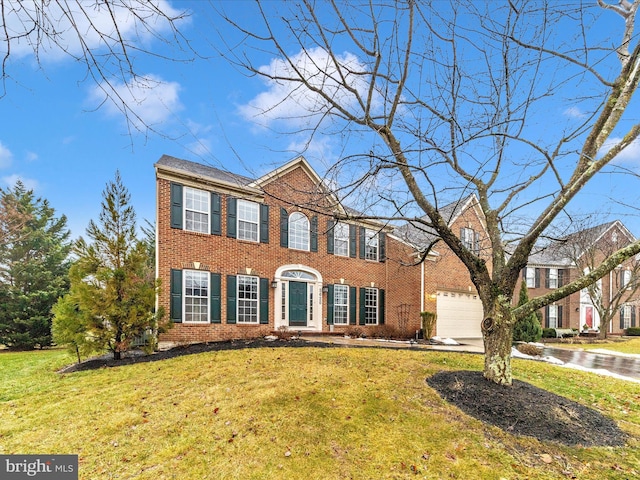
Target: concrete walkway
467,345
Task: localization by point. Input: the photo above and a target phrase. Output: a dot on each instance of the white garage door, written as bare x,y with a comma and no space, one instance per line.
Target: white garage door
459,315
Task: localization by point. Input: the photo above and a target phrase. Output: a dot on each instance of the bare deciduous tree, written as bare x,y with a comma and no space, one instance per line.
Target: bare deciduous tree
521,103
586,249
109,37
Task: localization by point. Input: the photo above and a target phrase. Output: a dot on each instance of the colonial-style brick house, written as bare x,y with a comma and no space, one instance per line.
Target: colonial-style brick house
568,258
446,288
241,257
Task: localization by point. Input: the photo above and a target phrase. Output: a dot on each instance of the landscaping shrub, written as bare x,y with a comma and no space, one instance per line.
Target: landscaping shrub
427,322
527,329
548,333
529,349
633,331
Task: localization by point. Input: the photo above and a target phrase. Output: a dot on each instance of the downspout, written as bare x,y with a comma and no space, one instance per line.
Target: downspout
422,286
610,299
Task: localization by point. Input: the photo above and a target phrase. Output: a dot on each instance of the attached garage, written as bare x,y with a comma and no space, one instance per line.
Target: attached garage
459,315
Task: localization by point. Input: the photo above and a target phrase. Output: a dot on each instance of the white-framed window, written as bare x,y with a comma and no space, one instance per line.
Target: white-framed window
247,299
341,239
531,277
553,278
371,306
298,231
470,239
341,304
196,210
196,296
553,316
283,300
370,244
248,218
626,278
626,316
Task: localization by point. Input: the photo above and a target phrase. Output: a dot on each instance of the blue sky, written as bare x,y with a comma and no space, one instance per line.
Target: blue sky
59,138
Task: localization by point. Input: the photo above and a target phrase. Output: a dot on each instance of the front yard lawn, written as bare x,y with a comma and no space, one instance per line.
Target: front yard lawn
294,413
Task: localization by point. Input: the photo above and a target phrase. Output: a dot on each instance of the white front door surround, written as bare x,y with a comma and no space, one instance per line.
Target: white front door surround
296,274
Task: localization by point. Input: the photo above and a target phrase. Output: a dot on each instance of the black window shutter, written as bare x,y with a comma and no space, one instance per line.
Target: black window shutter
352,305
363,241
559,316
231,298
382,245
314,233
476,244
232,226
264,223
560,278
330,225
537,284
352,241
216,210
633,316
284,228
546,316
621,317
546,277
176,296
330,305
362,301
215,298
264,301
381,306
176,205
524,274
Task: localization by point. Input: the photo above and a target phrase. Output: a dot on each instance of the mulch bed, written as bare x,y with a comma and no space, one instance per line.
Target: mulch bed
521,409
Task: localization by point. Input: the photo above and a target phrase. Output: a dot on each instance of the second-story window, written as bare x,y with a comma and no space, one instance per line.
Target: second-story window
470,239
371,245
298,231
341,239
196,209
552,279
248,220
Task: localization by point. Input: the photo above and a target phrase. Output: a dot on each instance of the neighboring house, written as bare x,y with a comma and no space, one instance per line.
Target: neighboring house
447,289
568,258
240,257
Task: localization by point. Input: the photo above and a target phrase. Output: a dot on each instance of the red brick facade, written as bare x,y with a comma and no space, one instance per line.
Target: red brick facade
294,188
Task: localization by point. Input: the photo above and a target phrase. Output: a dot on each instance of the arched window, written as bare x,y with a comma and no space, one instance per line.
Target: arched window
298,231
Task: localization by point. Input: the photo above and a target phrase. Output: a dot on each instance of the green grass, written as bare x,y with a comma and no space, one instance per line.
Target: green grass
632,345
293,414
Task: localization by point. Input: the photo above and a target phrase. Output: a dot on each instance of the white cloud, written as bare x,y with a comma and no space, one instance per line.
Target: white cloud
151,99
6,157
29,183
574,112
137,23
631,154
31,156
319,149
292,102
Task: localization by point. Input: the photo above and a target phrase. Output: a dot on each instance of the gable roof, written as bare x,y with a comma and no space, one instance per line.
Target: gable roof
188,170
197,169
556,254
421,236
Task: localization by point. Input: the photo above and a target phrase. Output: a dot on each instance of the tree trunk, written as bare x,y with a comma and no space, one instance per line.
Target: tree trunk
497,332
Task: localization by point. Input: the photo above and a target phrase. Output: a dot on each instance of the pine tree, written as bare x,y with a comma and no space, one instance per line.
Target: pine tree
527,329
112,295
34,263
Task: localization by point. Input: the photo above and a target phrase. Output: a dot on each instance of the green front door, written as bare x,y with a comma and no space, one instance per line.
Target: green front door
297,304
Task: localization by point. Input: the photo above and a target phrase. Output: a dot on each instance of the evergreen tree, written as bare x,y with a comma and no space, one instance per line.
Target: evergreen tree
113,286
527,329
33,267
